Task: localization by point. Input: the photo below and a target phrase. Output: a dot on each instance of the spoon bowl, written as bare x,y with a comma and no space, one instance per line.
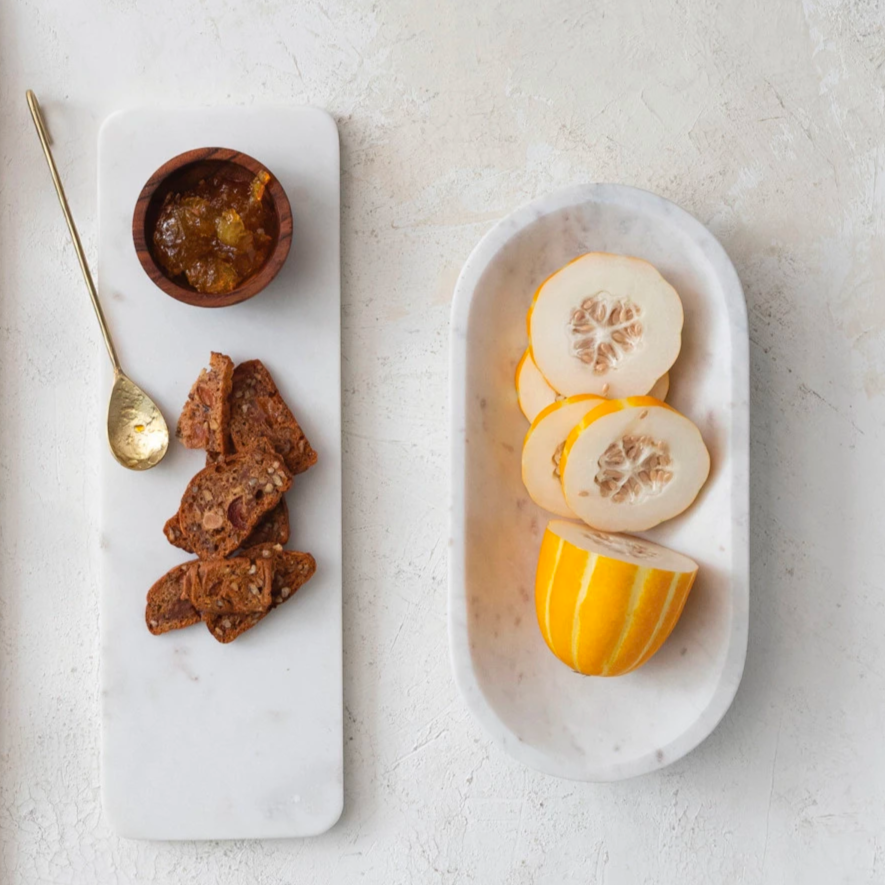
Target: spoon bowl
137,432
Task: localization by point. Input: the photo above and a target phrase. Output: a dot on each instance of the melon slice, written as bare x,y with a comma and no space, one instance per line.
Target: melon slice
606,603
631,464
605,324
543,447
661,387
532,389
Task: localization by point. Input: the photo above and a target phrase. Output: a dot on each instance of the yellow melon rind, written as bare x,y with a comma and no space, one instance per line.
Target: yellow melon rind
606,603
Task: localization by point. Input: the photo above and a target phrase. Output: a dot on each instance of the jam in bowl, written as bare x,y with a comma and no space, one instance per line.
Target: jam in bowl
212,227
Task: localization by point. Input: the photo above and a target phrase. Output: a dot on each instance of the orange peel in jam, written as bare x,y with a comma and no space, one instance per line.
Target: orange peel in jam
218,233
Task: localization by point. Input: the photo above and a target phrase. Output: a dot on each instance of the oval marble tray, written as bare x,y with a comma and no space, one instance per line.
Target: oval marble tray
538,710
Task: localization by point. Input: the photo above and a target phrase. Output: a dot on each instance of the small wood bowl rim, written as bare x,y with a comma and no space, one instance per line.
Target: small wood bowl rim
252,285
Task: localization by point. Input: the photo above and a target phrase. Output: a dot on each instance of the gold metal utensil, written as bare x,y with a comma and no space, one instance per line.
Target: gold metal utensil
137,432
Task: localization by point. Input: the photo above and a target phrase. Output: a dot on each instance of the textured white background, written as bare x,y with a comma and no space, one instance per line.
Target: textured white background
763,118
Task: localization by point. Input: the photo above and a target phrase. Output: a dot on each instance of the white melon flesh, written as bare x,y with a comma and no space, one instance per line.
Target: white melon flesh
543,448
624,548
532,389
632,464
605,324
661,387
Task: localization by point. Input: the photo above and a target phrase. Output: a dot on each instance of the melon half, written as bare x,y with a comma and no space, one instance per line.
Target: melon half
631,464
543,447
606,603
605,324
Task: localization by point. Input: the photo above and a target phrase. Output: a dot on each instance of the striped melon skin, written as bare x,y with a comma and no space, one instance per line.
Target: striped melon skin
606,603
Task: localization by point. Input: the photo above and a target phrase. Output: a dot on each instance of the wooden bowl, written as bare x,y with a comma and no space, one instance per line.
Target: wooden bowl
182,173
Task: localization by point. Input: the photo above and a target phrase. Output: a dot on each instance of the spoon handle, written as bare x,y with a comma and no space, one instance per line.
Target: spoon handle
45,140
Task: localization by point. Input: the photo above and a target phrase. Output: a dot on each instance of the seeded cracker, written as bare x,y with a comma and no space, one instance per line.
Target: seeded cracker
167,607
223,502
291,570
230,586
174,535
272,528
260,417
234,507
205,418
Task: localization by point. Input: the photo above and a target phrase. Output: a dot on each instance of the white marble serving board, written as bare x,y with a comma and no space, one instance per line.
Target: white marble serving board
203,740
540,711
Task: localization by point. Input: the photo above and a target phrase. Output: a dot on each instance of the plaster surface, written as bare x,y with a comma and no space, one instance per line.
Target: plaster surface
765,120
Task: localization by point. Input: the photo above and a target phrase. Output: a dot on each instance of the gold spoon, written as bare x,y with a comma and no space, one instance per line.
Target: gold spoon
137,433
